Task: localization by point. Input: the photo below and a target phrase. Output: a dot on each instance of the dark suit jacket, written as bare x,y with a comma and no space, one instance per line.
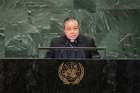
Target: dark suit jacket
81,41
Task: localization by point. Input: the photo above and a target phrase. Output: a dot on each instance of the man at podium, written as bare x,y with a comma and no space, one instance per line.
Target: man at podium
72,39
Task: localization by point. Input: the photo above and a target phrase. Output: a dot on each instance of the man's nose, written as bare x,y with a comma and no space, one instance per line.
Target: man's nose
72,31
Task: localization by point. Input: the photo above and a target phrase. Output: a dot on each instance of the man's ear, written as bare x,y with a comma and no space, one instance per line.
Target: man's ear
79,26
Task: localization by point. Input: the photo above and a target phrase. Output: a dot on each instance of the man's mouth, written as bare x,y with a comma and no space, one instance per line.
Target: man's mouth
73,36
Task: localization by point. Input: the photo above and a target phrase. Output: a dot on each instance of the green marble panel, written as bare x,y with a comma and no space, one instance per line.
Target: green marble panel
117,4
118,30
2,39
113,24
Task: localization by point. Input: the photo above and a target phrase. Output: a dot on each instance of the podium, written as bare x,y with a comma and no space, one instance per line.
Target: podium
42,76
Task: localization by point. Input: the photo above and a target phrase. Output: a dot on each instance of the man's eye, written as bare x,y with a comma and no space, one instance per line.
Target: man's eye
76,28
68,28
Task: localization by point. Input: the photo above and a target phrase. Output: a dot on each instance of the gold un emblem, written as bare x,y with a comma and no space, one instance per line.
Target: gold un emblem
71,73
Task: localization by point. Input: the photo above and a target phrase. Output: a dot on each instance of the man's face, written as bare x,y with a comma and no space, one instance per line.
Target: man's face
71,30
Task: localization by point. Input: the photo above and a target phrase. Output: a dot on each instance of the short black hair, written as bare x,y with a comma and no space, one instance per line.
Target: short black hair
71,18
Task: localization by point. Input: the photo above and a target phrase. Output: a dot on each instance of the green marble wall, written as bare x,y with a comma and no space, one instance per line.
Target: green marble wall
31,23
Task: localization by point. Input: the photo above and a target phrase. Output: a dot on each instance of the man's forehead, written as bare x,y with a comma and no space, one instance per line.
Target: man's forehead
71,21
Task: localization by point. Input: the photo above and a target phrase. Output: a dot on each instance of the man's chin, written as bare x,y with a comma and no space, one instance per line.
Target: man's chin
73,38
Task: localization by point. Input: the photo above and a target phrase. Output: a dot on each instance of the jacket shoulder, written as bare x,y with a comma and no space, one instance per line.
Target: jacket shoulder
86,39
